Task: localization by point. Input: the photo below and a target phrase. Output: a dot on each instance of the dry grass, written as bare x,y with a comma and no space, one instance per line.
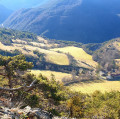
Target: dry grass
51,56
117,45
19,41
40,39
78,53
3,82
83,59
19,47
57,58
38,44
105,86
117,62
47,44
58,75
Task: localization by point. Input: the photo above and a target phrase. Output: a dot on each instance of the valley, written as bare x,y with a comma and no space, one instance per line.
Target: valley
59,59
82,21
66,60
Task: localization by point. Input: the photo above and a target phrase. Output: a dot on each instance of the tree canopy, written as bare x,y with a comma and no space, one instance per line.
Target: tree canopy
13,68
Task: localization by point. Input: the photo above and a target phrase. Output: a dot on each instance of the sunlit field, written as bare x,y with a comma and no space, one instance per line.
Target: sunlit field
58,75
50,56
105,86
78,53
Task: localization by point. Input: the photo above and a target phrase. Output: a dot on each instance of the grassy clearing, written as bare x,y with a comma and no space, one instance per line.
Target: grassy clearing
19,41
105,86
51,56
47,44
60,59
78,53
38,44
58,75
19,47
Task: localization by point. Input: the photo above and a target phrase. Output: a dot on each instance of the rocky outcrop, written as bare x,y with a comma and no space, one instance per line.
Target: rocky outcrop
26,113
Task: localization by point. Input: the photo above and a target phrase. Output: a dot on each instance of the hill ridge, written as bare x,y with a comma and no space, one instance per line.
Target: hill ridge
81,20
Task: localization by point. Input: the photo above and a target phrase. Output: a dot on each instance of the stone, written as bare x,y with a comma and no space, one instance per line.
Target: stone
16,113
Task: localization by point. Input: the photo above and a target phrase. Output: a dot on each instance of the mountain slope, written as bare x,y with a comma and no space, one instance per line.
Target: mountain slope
81,57
80,20
4,13
17,4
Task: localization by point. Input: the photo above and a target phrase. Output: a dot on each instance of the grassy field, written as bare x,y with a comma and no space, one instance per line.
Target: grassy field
50,56
19,47
78,53
83,59
58,75
105,86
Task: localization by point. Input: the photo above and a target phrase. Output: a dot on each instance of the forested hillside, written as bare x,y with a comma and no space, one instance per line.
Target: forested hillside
86,21
4,13
7,35
60,60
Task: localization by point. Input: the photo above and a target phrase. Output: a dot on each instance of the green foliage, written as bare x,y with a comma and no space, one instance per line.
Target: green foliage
55,98
76,107
40,55
32,100
52,89
15,63
99,105
47,95
12,66
7,53
107,54
7,35
28,78
54,112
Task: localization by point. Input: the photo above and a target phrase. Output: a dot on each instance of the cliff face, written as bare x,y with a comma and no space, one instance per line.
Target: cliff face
85,21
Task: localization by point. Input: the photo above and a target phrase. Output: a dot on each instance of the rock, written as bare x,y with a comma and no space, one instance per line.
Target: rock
16,113
27,109
62,118
39,114
6,117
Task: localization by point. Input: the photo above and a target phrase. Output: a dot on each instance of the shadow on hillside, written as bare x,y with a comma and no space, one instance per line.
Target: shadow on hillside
81,82
114,79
